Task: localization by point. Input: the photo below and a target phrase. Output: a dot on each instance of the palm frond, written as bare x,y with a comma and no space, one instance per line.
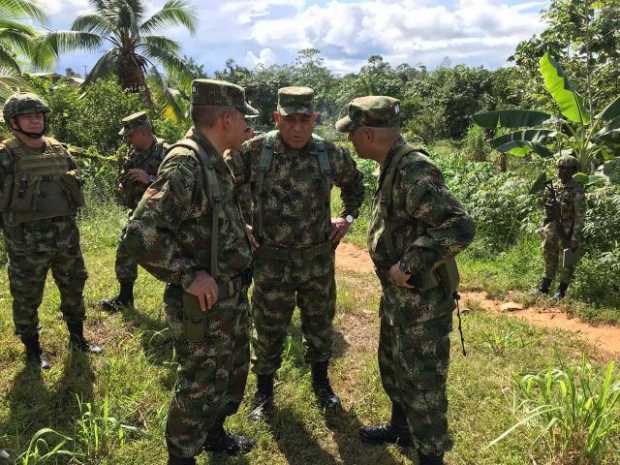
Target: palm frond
17,39
8,61
173,13
11,25
104,67
170,61
128,19
10,83
95,24
160,42
22,8
66,41
171,108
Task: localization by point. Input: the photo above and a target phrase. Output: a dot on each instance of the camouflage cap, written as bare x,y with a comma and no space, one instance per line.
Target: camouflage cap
372,111
134,121
221,93
22,103
295,99
569,162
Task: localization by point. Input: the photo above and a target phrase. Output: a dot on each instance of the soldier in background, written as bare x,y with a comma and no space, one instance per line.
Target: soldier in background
562,228
416,228
188,232
137,171
289,174
41,194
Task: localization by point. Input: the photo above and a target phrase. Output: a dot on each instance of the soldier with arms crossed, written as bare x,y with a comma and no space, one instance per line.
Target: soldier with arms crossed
290,173
187,231
41,194
138,170
416,229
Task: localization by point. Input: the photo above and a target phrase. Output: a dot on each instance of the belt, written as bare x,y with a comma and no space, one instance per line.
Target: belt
288,253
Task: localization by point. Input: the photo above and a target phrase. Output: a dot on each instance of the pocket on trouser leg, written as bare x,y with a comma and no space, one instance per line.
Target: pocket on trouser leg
194,319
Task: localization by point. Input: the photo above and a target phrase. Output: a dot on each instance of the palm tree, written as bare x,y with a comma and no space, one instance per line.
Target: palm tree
134,46
18,40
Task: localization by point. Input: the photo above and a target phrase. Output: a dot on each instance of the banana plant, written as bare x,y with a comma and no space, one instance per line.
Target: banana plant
593,139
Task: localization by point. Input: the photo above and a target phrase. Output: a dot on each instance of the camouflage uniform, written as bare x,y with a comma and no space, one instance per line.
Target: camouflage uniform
131,191
292,222
426,226
562,226
170,234
40,196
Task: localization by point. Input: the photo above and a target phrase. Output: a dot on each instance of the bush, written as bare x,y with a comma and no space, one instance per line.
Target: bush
597,278
475,146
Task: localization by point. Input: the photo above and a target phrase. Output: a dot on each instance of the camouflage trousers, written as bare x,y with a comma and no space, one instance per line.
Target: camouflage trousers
272,309
213,354
553,249
126,267
413,362
33,249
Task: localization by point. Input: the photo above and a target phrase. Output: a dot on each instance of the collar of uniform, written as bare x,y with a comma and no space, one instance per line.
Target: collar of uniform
388,159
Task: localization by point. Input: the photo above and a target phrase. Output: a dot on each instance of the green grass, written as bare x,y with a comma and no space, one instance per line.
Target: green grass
123,394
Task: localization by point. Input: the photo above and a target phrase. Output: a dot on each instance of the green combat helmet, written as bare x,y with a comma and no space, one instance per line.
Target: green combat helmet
568,162
23,103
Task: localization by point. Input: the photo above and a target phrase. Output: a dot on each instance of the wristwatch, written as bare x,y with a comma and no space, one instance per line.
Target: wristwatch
349,219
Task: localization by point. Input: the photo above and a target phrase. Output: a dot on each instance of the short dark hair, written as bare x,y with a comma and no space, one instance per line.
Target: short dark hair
206,116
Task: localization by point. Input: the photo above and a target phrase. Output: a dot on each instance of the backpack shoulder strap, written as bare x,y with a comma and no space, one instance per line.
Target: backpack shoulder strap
264,163
213,191
320,151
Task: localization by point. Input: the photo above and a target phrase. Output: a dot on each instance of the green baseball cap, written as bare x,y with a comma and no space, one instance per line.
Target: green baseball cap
375,111
295,99
134,121
221,94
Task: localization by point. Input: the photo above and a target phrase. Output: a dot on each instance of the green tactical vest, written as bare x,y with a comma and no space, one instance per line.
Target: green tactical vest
264,164
445,273
42,185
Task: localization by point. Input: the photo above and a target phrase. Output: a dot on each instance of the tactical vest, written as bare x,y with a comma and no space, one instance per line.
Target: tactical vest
444,273
264,164
213,191
43,185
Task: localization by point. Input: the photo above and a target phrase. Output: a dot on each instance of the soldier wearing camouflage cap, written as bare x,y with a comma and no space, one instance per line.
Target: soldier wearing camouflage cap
290,173
562,227
136,173
416,229
188,232
41,194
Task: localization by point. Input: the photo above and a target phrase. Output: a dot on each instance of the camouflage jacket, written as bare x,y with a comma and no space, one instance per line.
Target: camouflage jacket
296,209
571,207
131,191
427,223
170,231
7,168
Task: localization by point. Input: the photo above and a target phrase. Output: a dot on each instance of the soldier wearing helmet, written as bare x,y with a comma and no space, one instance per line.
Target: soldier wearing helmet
39,198
562,226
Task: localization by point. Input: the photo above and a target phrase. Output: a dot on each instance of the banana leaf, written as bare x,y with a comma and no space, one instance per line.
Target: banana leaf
521,148
510,118
562,91
520,143
612,111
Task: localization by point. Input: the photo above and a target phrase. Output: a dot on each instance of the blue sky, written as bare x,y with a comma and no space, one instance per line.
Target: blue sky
473,32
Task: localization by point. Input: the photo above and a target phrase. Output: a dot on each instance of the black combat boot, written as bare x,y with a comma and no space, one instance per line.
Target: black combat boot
561,291
395,432
34,355
220,440
431,459
123,299
543,288
174,460
262,405
77,341
322,388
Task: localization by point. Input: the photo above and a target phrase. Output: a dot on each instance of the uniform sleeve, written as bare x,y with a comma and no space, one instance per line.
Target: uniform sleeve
152,231
350,180
239,163
448,229
6,168
580,213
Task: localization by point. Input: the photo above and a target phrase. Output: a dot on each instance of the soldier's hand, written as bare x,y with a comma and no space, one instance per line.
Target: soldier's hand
139,175
249,231
204,288
340,227
398,277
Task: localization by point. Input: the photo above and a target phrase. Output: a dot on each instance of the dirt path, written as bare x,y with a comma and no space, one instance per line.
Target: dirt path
604,337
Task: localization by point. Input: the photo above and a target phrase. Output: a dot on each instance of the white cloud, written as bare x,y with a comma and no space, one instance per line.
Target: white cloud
266,57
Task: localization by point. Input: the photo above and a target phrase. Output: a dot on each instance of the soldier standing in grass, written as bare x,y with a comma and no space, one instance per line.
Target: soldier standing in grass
41,194
416,229
187,231
290,173
138,170
562,226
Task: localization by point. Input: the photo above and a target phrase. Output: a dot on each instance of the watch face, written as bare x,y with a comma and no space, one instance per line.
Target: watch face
349,219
